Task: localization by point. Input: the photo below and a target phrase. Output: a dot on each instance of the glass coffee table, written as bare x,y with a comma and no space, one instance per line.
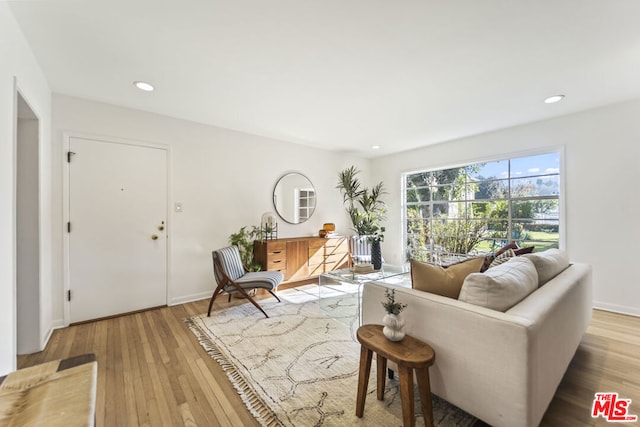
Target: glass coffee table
347,282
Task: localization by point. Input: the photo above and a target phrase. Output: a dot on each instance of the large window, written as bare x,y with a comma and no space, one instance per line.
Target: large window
482,206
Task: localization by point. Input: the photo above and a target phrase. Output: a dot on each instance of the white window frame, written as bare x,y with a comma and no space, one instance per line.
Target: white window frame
560,150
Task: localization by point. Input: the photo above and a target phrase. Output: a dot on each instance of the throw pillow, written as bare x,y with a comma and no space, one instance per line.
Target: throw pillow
522,251
503,257
443,281
501,287
549,263
512,245
488,259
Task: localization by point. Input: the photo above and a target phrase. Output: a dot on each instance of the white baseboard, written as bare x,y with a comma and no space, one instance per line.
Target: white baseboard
55,324
190,298
622,309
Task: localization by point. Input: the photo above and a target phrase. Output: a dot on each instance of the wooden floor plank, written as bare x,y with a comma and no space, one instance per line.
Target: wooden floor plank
99,349
131,415
141,409
153,388
153,371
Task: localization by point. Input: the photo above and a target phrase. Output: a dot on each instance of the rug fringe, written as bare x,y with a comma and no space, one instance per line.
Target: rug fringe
250,397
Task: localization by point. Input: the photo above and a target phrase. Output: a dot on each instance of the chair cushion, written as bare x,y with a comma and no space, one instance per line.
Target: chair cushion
258,279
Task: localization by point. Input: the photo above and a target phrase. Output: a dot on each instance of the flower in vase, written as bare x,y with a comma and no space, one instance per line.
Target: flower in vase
390,305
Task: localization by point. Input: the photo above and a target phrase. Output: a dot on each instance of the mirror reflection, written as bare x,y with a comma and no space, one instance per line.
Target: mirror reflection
294,198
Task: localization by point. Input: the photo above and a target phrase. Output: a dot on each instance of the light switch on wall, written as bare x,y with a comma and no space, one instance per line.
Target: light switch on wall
178,207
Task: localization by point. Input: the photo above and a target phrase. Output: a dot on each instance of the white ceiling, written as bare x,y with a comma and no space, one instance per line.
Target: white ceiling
342,74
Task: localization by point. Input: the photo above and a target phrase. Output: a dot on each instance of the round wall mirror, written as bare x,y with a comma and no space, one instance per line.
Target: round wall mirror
294,198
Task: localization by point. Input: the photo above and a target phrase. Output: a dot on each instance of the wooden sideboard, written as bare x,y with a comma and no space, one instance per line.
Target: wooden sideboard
302,258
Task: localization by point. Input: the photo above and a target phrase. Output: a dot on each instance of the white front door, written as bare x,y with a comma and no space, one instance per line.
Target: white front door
118,228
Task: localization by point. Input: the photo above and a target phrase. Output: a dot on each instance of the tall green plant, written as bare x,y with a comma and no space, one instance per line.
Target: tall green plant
364,206
243,239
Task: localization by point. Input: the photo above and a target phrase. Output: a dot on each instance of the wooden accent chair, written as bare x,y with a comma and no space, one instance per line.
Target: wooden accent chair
232,277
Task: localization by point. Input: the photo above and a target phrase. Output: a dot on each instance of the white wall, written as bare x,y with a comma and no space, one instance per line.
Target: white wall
601,172
224,179
18,62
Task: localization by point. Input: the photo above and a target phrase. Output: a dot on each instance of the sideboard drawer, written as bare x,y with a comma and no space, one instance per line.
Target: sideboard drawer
276,264
339,244
336,258
276,247
317,258
276,256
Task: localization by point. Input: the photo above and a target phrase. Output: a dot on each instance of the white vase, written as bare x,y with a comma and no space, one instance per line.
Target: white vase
393,325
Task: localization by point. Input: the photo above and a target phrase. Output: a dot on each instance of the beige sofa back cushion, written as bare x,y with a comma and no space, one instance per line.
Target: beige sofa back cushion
501,287
443,281
549,264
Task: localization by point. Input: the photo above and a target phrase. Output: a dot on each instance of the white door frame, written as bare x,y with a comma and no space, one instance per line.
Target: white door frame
66,200
42,239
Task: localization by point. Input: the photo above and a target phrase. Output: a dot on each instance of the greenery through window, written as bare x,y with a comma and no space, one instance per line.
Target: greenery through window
481,207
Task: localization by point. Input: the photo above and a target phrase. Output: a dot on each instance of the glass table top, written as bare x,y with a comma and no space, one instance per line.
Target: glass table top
346,281
351,276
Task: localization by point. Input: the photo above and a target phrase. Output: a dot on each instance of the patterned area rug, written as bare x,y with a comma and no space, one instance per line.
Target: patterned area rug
300,366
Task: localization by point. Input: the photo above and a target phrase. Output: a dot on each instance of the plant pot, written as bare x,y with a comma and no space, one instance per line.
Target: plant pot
376,255
393,327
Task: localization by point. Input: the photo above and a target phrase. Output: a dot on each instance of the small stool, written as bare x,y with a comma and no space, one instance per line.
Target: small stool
408,354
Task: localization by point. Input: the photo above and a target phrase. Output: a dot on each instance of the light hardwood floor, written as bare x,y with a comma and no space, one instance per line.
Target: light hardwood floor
152,370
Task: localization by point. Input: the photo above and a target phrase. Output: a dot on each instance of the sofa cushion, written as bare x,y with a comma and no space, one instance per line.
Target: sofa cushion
501,287
549,263
440,280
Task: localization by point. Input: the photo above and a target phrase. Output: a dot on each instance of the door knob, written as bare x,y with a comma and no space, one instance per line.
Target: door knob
154,237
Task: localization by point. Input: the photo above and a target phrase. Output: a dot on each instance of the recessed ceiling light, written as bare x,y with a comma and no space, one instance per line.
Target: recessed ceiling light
553,99
147,87
375,147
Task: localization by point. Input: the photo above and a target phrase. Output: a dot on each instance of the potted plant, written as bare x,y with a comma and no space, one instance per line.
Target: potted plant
243,239
365,208
392,321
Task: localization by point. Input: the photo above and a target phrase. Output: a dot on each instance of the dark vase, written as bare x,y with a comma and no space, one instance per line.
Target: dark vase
376,255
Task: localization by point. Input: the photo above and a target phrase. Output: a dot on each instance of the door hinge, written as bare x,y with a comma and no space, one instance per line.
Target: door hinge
68,227
69,154
69,295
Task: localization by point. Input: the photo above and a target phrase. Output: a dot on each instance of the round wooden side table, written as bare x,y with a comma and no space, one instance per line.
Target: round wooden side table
409,354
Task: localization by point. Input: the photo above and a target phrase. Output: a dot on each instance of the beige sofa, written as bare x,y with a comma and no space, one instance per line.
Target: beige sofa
503,368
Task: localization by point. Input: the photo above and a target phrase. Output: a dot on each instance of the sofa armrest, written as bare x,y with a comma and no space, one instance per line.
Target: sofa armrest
560,312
